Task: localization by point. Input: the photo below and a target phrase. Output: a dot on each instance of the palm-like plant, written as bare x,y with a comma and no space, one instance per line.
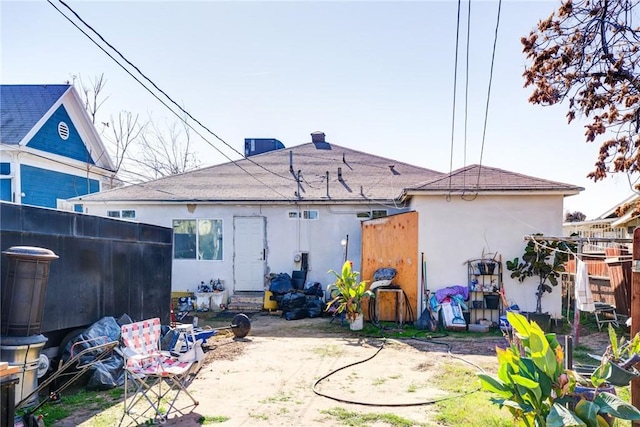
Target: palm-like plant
533,384
348,292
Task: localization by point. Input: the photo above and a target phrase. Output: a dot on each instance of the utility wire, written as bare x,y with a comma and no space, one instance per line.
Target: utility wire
166,95
486,112
159,99
453,110
466,109
466,93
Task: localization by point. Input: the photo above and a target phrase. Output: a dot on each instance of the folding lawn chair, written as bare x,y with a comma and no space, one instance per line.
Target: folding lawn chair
155,374
605,313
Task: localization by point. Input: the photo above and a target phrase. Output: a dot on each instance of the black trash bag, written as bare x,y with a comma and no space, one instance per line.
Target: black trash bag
95,334
107,374
293,300
281,284
296,313
124,320
103,331
314,289
315,307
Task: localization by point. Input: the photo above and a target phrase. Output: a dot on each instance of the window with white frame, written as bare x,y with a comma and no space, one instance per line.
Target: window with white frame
304,214
125,213
376,213
197,239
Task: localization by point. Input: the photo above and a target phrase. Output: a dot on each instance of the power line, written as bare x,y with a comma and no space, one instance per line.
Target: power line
486,112
453,110
164,93
466,94
168,97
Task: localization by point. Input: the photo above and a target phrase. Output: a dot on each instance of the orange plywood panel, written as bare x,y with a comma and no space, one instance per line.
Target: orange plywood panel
393,242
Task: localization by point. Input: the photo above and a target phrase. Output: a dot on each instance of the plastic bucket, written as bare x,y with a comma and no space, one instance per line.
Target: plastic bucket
269,304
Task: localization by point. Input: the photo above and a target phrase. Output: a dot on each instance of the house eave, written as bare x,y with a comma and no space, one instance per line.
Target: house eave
94,201
521,192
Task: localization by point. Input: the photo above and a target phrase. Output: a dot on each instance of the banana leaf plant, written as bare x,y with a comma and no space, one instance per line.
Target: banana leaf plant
347,292
537,390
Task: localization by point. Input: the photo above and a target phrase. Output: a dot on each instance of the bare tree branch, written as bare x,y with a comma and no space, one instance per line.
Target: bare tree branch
160,150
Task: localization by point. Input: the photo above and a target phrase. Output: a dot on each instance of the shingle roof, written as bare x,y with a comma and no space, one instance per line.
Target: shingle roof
21,106
268,177
487,179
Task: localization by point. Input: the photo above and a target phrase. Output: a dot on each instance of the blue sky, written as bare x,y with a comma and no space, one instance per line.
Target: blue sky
374,76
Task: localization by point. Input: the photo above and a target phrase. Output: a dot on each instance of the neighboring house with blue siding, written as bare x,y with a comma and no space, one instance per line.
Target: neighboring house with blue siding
50,150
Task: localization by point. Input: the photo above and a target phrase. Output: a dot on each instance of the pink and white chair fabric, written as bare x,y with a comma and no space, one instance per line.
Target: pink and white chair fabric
158,376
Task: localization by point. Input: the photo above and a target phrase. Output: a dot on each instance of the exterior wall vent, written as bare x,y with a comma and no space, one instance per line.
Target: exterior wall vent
63,130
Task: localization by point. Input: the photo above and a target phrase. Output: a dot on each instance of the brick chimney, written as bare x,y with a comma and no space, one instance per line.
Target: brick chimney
318,140
317,137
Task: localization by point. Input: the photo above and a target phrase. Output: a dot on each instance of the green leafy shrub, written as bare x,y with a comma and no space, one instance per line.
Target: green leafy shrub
534,386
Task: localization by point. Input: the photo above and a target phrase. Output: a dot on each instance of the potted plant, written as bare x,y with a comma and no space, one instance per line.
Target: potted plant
487,263
536,388
544,259
617,364
347,294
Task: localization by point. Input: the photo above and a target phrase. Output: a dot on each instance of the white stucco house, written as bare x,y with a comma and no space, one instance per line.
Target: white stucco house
290,208
476,209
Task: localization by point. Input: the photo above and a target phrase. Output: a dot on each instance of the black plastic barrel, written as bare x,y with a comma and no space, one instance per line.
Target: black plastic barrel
24,290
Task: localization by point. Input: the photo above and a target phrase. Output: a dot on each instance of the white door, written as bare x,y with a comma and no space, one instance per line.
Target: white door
249,253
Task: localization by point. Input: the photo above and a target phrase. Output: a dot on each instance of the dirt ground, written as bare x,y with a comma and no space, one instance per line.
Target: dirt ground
267,378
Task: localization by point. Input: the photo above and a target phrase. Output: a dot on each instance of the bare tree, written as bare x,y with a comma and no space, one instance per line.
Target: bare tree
125,131
160,151
587,54
91,93
166,149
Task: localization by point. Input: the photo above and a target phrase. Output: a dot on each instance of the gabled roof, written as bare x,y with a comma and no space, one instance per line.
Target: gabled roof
22,106
353,176
485,179
25,107
611,212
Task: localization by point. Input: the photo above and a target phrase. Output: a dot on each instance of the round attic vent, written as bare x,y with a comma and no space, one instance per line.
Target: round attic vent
63,130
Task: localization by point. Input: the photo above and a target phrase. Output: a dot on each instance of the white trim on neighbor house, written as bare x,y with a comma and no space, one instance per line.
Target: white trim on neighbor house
83,125
36,127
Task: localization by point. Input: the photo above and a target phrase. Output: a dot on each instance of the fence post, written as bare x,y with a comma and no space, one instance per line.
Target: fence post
635,312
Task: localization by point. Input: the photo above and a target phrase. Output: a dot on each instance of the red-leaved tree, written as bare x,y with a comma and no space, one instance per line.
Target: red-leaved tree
586,55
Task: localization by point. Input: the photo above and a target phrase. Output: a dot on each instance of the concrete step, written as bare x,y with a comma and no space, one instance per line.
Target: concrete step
246,301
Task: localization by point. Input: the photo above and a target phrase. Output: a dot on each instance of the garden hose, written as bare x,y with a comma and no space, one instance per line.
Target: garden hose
384,340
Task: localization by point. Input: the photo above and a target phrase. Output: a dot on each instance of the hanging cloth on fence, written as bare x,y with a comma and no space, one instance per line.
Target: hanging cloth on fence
584,299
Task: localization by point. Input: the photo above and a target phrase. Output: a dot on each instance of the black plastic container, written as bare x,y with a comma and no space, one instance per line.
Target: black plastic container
24,290
492,302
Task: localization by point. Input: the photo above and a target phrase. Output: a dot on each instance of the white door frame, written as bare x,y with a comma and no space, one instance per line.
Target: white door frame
249,253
